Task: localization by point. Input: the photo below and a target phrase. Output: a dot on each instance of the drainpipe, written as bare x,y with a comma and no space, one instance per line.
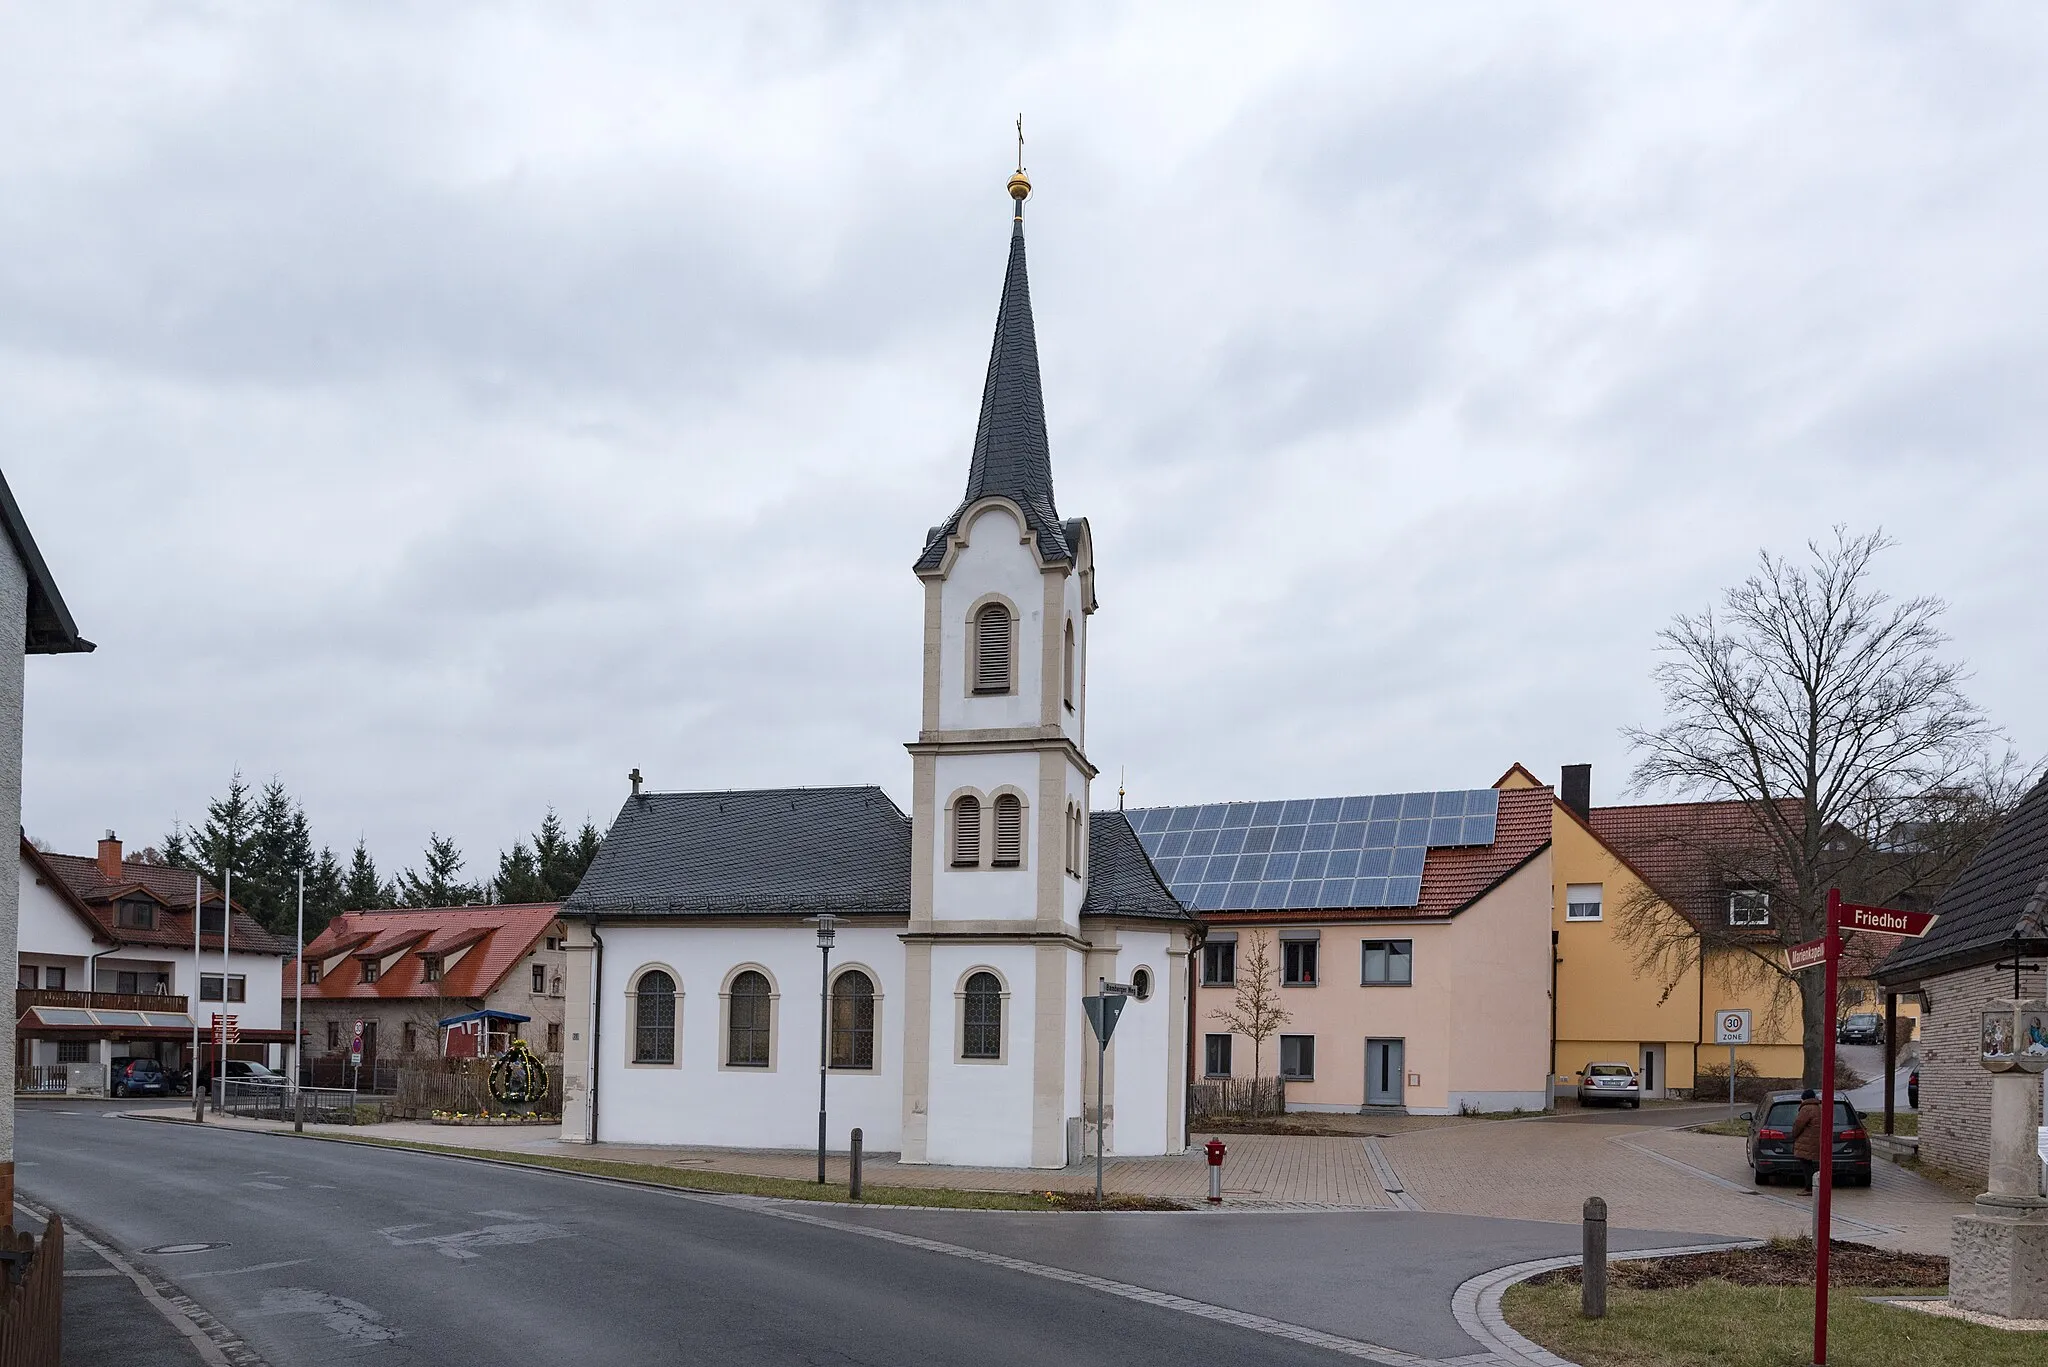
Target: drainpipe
1196,938
596,1025
1555,960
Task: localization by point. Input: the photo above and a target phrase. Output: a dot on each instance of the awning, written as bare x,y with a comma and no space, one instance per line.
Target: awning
74,1022
469,1016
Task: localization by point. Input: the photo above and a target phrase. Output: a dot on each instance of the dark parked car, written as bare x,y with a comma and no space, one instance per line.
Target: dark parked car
246,1072
1770,1142
1861,1028
139,1077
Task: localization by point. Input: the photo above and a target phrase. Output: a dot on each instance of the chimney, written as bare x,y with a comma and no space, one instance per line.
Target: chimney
110,858
1577,789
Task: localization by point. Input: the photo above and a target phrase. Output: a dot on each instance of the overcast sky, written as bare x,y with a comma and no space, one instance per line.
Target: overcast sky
448,408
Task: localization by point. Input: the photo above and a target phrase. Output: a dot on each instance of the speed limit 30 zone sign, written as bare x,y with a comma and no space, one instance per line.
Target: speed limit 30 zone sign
1731,1027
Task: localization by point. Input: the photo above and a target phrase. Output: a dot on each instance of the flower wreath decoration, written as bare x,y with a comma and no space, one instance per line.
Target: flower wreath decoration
517,1077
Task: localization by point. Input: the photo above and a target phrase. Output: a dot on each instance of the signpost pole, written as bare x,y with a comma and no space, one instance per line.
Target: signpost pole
1101,1066
1731,1079
1823,1206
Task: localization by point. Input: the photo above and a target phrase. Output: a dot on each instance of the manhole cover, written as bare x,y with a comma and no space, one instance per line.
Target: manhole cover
182,1248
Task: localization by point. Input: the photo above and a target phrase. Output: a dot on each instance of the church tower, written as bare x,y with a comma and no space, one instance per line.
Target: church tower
994,954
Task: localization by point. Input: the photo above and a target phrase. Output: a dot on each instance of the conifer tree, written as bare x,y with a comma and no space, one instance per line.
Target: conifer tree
325,887
361,888
440,885
519,876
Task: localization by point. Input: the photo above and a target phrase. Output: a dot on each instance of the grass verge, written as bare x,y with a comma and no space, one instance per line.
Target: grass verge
1718,1324
790,1189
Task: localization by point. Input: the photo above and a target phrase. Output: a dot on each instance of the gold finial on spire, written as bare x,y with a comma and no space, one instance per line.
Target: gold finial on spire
1020,184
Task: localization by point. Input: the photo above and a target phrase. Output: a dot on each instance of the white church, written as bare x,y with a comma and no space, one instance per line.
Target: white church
964,935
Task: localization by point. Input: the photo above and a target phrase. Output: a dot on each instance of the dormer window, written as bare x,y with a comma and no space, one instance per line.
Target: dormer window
967,831
1749,907
1009,831
135,913
211,918
369,970
312,970
992,649
430,968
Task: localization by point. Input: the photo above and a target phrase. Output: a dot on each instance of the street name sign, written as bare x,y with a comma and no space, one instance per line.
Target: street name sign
1883,920
1731,1027
1812,954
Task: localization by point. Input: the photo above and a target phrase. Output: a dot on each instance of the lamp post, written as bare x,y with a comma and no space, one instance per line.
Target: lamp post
825,934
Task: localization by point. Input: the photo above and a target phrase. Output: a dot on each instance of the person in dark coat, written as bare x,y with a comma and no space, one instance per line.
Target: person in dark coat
1807,1134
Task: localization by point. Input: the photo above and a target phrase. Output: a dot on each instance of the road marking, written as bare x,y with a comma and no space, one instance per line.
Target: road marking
211,1339
461,1245
1260,1324
507,1215
253,1267
1745,1189
265,1186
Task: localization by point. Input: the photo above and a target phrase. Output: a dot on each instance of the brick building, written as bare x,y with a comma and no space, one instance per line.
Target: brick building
1992,917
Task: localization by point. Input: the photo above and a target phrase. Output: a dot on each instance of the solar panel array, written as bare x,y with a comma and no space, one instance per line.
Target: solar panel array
1308,853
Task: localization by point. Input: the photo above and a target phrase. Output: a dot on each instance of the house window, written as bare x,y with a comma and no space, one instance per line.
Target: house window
209,987
370,968
74,1051
333,1036
1386,963
992,649
408,1038
1219,967
1582,902
1009,831
554,1037
853,1020
128,983
53,979
313,971
1070,665
1298,1058
967,831
1216,1055
211,918
135,913
551,942
981,1032
747,1026
25,976
654,1017
1749,907
540,980
1298,963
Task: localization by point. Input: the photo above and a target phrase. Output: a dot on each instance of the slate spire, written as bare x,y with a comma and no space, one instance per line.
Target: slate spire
1011,457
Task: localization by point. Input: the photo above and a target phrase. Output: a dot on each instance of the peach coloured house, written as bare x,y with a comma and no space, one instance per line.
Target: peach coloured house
1408,936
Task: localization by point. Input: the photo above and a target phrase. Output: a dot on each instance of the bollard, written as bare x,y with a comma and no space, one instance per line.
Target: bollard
198,1105
299,1111
853,1167
1593,1261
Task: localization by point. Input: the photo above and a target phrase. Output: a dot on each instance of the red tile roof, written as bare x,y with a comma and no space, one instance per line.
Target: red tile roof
491,940
1452,878
172,888
1691,853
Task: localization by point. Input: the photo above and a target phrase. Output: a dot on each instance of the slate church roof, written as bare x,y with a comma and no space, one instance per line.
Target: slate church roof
1011,457
799,851
2004,886
50,628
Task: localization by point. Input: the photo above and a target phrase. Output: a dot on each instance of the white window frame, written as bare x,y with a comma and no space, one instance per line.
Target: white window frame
1576,899
1755,898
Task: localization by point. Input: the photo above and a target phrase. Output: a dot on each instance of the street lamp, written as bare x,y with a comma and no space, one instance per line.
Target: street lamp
825,922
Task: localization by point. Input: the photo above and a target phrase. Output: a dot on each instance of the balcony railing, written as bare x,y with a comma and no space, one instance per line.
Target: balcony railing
25,997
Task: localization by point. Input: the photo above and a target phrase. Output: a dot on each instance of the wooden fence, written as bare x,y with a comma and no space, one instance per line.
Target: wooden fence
459,1085
32,1297
1236,1096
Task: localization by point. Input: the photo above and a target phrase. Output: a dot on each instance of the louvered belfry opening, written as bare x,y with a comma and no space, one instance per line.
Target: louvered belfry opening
992,649
967,831
1009,831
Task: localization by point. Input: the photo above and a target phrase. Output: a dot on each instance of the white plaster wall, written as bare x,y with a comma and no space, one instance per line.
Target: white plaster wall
1075,890
697,1101
980,1113
264,1010
985,894
1140,1050
993,561
48,925
1075,723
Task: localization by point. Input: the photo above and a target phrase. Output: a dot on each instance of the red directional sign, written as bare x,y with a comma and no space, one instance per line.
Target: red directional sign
1883,920
1812,954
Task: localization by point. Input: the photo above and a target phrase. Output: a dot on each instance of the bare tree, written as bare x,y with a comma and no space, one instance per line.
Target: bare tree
1256,1012
1824,709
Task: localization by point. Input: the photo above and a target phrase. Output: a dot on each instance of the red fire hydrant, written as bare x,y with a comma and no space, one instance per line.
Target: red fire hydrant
1215,1149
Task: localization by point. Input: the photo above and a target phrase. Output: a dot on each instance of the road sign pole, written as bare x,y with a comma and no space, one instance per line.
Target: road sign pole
1823,1206
1731,1077
1101,1067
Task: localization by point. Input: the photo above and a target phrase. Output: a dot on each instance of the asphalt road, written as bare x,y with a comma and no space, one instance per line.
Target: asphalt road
318,1252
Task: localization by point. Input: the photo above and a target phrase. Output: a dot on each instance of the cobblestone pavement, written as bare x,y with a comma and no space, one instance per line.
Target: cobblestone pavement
1652,1177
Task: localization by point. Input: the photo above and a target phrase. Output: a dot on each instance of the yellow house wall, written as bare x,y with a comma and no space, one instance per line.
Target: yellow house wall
1607,1006
1474,1022
1775,1032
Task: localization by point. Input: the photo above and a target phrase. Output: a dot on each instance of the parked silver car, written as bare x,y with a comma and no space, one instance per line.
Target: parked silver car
1606,1083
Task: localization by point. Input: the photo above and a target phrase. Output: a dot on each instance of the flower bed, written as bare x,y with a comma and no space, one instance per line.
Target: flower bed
492,1118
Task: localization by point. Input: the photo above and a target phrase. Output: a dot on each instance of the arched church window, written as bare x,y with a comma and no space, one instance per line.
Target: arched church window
967,831
853,1020
992,649
654,1018
1009,831
1070,664
981,1029
747,1021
